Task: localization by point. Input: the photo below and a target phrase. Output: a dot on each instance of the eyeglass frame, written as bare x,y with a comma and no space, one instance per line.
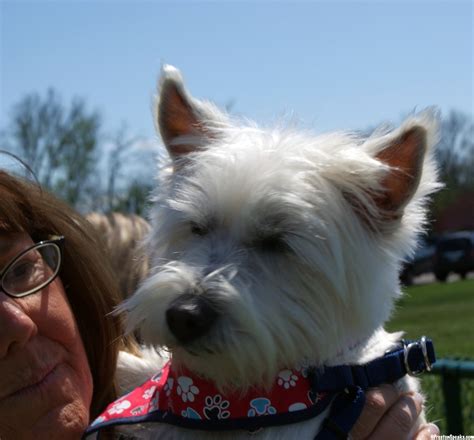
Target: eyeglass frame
58,241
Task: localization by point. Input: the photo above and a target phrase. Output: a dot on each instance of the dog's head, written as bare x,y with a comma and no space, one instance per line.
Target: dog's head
269,247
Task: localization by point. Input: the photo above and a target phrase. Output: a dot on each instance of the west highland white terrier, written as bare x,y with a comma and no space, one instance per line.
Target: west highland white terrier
275,261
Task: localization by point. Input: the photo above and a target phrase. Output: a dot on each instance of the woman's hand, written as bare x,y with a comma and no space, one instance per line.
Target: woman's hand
388,415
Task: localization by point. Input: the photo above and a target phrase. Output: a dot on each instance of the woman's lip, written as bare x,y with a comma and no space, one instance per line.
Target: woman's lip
43,380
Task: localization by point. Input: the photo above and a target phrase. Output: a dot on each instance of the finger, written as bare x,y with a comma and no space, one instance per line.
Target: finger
400,419
427,432
377,403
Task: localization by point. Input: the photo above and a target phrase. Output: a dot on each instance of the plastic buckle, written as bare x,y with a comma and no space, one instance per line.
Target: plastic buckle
406,351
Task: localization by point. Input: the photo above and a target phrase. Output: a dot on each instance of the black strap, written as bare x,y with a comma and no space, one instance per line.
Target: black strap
413,357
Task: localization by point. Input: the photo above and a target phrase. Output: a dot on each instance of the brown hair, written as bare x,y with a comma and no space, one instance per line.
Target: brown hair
88,280
122,237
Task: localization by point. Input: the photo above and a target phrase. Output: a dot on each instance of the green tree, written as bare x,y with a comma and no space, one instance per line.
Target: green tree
455,151
135,199
455,157
60,144
120,154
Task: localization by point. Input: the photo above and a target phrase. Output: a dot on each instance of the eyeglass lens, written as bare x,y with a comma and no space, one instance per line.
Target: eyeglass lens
32,270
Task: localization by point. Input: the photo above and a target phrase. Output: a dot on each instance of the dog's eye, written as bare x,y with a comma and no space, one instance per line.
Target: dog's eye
198,229
272,243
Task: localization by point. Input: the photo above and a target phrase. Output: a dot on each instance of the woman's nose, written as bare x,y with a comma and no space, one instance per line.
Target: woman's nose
16,327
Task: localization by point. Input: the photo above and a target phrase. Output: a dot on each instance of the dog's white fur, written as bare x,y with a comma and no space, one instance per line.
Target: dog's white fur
323,290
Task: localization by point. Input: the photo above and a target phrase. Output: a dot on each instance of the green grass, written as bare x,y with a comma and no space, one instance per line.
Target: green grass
445,313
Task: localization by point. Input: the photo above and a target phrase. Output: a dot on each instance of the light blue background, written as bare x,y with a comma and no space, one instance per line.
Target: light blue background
336,64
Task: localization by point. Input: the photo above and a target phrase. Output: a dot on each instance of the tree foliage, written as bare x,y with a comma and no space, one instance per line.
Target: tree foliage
59,144
70,155
455,151
455,157
128,174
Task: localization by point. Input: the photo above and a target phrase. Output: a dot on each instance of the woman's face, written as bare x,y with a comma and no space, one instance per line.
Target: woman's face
45,380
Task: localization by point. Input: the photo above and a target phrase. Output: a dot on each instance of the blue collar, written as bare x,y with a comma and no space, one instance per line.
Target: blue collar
351,381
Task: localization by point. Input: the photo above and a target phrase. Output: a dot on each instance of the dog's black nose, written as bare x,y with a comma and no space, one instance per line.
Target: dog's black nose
190,317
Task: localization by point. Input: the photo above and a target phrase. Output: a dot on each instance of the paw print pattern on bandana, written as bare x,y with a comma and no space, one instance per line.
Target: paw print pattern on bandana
260,406
298,406
189,413
149,393
120,407
287,379
168,386
154,402
186,389
303,369
216,407
138,410
194,401
99,419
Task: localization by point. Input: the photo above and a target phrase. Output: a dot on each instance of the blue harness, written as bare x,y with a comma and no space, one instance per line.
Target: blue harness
412,358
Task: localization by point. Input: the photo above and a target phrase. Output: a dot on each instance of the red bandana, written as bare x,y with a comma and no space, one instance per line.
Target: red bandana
183,399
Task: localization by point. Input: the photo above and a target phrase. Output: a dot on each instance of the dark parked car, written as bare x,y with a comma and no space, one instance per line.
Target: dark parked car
454,253
422,261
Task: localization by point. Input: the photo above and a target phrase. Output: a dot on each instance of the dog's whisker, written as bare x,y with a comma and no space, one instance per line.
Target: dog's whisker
231,273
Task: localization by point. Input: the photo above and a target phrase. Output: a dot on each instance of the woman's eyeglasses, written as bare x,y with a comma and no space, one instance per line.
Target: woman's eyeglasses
32,269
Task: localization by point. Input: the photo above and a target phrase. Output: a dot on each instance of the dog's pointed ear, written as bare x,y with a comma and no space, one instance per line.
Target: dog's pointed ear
403,155
183,122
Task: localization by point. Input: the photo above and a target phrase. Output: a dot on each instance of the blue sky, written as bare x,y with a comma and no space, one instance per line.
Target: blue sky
334,64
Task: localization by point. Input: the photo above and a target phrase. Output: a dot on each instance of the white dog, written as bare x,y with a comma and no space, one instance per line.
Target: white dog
271,250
